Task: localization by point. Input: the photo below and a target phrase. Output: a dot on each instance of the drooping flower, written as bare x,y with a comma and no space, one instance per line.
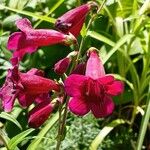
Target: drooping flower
72,21
39,114
62,65
94,90
27,87
29,39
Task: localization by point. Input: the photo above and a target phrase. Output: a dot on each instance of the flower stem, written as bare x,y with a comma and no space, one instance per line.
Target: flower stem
62,125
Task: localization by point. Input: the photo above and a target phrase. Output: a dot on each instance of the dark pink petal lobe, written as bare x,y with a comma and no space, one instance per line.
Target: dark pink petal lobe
107,79
39,114
25,100
102,108
74,85
15,40
94,67
8,95
115,88
34,84
35,71
24,24
80,69
78,106
10,89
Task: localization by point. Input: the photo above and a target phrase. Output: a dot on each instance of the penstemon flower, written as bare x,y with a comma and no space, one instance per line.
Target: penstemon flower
29,39
27,87
94,90
39,114
72,21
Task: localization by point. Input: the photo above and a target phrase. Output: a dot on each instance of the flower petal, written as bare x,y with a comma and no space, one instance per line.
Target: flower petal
78,106
15,40
35,71
34,84
74,85
94,67
8,95
116,88
106,79
25,100
39,114
24,24
80,69
102,108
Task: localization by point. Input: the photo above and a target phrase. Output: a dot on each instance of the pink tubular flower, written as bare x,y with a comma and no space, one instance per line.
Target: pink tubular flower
62,65
27,87
92,91
72,21
39,114
29,39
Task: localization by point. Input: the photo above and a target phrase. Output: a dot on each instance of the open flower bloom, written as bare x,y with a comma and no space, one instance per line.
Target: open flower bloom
39,114
29,39
94,90
72,21
27,87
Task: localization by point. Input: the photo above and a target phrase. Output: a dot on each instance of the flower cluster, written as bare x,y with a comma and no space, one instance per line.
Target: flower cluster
88,86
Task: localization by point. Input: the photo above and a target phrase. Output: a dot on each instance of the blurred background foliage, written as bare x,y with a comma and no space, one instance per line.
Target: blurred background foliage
121,33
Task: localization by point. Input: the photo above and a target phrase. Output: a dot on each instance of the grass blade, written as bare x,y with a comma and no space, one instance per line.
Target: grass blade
35,143
30,14
12,144
144,124
9,117
104,132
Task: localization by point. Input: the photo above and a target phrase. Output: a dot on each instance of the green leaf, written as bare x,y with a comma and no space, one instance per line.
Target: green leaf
101,38
42,133
104,132
144,124
10,117
45,18
50,11
12,144
117,46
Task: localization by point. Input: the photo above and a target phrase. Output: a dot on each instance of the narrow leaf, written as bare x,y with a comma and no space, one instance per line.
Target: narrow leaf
51,122
10,117
104,132
45,18
101,38
12,144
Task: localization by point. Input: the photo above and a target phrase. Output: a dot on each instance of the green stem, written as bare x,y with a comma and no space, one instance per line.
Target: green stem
144,124
62,126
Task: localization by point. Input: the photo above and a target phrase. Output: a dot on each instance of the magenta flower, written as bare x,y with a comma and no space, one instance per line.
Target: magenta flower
92,91
39,114
29,39
72,21
27,87
62,65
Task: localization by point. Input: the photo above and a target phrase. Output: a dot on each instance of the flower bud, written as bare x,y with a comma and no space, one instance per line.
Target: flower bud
62,65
